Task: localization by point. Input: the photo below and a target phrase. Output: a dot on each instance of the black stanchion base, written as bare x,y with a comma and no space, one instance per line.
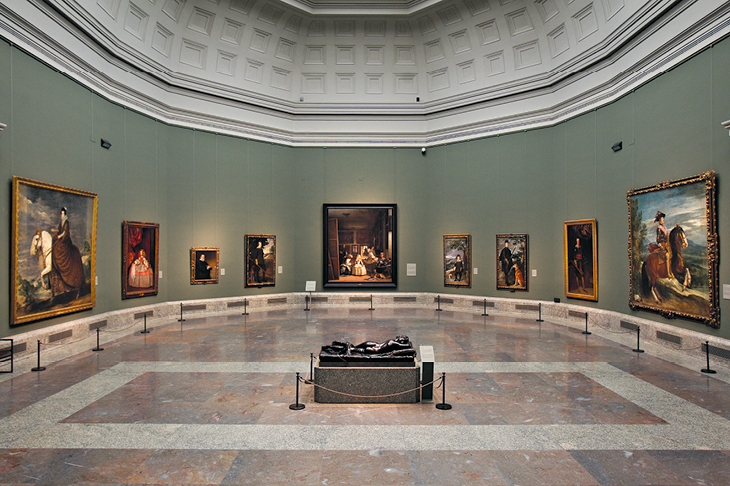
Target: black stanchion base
708,371
586,333
98,349
181,320
443,406
539,320
244,314
39,368
307,310
296,406
485,315
144,332
637,350
439,310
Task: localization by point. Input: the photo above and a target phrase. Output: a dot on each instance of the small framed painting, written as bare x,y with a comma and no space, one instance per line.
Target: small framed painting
204,265
140,259
512,261
53,251
457,261
260,260
580,258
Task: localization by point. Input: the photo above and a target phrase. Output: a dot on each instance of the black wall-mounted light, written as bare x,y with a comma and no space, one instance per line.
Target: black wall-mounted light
105,144
617,146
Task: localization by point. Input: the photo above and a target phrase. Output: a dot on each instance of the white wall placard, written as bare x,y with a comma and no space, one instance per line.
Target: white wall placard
311,286
410,269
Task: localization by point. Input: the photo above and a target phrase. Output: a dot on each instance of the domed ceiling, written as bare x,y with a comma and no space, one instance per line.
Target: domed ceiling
354,72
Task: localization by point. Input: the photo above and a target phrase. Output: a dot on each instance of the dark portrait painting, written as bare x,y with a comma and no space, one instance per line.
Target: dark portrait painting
673,249
140,259
512,261
53,250
204,263
360,245
260,260
580,259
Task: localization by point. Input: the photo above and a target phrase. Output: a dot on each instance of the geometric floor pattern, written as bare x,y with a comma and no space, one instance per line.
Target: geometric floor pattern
206,402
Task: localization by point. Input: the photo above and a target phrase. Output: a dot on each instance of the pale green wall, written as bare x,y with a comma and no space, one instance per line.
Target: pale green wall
210,190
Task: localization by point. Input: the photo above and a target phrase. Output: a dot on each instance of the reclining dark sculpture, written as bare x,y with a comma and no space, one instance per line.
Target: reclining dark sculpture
398,349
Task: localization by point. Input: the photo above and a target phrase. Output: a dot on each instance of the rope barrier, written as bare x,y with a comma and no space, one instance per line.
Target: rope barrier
375,396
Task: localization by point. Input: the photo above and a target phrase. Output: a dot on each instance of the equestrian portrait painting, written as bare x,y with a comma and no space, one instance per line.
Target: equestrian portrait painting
457,261
673,249
260,260
512,261
140,259
580,258
54,251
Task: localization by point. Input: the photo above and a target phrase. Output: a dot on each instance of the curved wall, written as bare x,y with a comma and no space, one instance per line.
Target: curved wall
210,190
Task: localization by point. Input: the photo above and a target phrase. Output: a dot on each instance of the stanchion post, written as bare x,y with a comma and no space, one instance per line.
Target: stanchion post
371,302
438,299
539,313
638,336
306,303
484,314
39,367
586,332
311,368
297,405
443,405
97,348
181,314
707,353
245,305
145,331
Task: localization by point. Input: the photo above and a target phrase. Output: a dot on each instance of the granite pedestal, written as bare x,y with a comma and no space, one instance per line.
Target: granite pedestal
370,381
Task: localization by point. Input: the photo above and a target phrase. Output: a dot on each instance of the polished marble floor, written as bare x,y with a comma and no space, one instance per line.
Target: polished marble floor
207,402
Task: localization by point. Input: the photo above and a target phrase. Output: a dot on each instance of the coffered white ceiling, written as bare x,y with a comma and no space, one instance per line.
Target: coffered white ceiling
354,72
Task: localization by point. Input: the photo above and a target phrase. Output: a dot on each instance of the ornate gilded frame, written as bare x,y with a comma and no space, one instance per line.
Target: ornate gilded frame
212,257
136,237
457,245
517,277
38,289
579,284
268,243
693,199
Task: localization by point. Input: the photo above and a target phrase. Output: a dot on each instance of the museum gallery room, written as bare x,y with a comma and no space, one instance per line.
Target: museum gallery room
365,242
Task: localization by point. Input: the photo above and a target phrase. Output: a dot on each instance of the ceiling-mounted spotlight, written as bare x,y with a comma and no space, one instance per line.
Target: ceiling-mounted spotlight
105,144
423,150
617,146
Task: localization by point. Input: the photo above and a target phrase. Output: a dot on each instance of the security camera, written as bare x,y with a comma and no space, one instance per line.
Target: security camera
423,151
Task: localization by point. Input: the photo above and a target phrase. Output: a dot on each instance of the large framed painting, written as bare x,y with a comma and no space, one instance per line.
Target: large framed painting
512,261
673,249
260,260
204,265
457,261
360,246
53,251
580,259
140,259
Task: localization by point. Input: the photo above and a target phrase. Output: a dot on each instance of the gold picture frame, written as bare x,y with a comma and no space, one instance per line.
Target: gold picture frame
686,243
580,259
140,259
457,261
53,260
204,265
260,260
512,261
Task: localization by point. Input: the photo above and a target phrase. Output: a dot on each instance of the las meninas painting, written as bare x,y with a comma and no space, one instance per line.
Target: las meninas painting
54,245
673,249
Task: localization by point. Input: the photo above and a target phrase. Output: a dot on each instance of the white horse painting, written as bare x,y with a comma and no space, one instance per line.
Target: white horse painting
40,247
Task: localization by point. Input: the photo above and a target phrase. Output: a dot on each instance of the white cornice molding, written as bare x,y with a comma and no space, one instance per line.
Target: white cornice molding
543,101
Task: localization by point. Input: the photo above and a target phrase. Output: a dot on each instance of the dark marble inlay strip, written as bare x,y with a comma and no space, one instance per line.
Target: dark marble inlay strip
97,325
526,307
665,336
582,315
140,315
277,300
194,307
629,325
480,303
60,335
